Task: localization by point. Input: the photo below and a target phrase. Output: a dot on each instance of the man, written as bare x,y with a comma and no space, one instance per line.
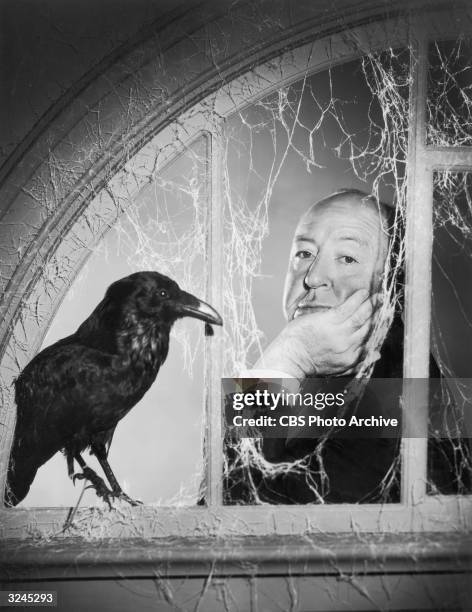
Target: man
330,302
336,264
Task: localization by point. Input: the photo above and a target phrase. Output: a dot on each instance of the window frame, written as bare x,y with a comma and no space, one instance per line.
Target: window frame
416,511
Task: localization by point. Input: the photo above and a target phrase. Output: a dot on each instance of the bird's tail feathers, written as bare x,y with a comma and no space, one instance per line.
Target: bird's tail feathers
22,470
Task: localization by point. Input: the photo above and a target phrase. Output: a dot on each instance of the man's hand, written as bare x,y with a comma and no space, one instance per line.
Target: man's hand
326,343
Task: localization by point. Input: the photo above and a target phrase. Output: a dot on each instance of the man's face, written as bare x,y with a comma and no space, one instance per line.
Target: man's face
338,248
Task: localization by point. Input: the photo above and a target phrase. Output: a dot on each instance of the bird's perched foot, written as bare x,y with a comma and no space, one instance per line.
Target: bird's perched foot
102,490
122,495
97,483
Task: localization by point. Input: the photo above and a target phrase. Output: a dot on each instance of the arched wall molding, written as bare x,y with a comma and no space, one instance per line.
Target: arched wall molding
66,204
112,117
186,18
189,21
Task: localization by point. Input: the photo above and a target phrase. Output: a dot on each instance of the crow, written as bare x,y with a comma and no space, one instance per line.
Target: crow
72,394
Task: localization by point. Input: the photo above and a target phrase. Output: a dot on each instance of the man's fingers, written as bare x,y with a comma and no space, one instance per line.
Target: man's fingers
361,333
352,358
362,314
352,304
346,372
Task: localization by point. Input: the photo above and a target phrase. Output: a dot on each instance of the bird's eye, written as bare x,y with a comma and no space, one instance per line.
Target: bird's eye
163,294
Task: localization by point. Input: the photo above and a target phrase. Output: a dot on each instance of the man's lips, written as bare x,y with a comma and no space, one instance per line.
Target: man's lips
303,310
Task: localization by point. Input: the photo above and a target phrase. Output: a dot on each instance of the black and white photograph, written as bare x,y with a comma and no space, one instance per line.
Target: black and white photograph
236,313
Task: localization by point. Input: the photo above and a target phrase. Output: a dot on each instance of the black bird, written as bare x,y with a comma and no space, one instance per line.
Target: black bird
72,395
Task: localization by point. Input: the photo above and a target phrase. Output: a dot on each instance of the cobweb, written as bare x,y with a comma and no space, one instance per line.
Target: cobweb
161,226
344,127
452,303
449,124
307,121
352,122
164,228
449,101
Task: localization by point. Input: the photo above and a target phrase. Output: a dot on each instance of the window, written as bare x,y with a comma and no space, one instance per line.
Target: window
231,271
319,135
162,227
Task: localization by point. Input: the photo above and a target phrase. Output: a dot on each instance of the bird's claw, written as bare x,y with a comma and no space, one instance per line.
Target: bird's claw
75,477
132,502
97,483
101,489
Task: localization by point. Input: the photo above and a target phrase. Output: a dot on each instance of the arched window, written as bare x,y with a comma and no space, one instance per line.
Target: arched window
212,199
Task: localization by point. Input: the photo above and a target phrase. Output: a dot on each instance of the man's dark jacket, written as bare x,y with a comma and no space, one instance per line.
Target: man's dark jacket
338,469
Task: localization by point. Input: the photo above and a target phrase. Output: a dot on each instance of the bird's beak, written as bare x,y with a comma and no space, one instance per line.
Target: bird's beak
190,306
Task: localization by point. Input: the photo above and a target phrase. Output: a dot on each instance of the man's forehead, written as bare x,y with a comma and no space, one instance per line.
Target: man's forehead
353,213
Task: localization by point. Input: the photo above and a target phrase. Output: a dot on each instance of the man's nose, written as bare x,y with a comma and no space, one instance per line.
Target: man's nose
317,274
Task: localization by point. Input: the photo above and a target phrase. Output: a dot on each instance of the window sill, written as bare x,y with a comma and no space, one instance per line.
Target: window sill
69,558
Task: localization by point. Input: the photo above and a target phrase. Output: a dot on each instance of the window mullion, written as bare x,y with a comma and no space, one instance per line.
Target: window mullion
418,276
214,431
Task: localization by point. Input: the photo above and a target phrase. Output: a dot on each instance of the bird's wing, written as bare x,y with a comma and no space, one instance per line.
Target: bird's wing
67,392
65,388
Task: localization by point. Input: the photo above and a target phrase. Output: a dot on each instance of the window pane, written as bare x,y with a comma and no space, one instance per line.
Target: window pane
340,129
449,457
156,451
449,101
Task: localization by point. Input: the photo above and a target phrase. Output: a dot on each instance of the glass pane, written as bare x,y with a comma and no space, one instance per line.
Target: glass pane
449,457
156,451
342,129
449,100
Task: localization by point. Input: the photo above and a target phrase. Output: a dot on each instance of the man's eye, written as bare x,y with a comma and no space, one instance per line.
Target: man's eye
347,259
303,254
